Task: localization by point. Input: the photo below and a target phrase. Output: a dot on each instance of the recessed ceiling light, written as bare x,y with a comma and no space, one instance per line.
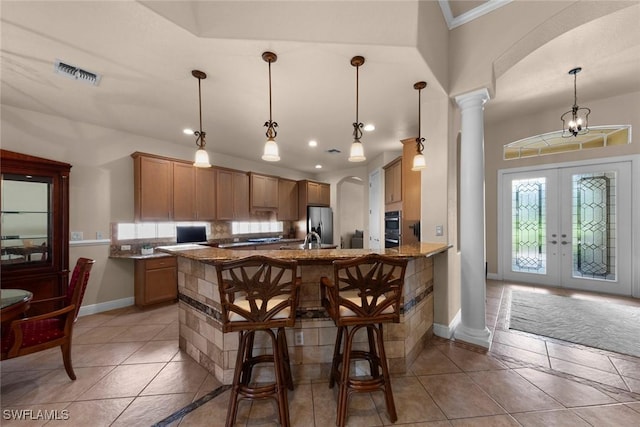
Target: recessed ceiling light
318,166
187,131
313,143
369,127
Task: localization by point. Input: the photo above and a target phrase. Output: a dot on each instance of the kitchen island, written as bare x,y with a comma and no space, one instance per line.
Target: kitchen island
312,339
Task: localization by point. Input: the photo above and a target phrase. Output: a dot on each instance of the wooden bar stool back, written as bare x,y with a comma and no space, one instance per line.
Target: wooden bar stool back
365,293
259,294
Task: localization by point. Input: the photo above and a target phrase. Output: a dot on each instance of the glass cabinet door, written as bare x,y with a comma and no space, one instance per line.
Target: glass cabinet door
26,223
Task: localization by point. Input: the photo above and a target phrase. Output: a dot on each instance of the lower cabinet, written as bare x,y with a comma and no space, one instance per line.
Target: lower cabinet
156,280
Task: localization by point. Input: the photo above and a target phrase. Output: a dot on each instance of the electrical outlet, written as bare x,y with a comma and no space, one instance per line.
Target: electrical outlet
439,230
125,247
99,235
76,235
298,338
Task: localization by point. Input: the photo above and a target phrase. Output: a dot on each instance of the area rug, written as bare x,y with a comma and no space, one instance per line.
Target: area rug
598,324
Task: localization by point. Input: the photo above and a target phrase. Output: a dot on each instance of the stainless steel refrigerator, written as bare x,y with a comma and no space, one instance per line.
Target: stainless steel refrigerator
320,220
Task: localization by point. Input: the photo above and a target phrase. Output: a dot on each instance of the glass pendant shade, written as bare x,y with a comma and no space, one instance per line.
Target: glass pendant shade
419,162
202,159
271,153
357,152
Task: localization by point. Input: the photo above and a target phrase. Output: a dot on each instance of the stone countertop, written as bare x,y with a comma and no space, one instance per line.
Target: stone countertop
209,254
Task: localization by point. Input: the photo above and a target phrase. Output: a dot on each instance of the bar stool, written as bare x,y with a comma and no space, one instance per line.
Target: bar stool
365,293
259,294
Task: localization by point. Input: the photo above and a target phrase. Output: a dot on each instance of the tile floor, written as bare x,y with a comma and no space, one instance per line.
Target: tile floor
131,373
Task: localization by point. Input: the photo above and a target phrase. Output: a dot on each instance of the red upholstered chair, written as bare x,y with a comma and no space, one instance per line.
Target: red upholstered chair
365,293
44,331
259,295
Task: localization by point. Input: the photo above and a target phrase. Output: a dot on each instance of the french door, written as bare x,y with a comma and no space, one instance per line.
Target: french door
569,227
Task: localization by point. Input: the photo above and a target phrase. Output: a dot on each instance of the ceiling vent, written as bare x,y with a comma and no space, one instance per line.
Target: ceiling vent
333,151
76,73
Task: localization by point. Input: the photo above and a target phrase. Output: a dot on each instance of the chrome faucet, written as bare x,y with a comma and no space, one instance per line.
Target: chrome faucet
309,239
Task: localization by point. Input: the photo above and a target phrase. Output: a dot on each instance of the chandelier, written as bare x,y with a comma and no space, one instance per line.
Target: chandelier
575,121
419,162
356,154
270,147
202,157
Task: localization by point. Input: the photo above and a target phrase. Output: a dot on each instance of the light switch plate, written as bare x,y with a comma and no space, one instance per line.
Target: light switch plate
439,230
76,235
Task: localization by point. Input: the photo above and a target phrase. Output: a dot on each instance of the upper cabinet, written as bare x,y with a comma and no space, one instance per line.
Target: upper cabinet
393,181
264,192
314,193
287,200
153,187
35,224
411,183
172,190
232,195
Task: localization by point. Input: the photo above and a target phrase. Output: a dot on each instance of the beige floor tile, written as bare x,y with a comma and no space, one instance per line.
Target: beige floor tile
58,387
432,361
492,421
468,360
94,320
123,381
512,392
148,410
525,342
135,317
519,354
633,384
635,406
581,355
209,384
459,397
610,416
361,411
588,373
561,418
100,335
93,413
211,414
627,367
138,333
569,393
300,405
178,377
154,351
168,332
413,403
103,354
28,362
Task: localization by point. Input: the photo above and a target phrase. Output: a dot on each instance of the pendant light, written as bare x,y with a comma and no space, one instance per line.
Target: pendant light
356,154
202,157
578,117
419,162
270,147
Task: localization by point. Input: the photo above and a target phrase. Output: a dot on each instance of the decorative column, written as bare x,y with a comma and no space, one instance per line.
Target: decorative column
472,327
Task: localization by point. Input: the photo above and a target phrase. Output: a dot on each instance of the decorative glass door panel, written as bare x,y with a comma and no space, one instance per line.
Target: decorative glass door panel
569,227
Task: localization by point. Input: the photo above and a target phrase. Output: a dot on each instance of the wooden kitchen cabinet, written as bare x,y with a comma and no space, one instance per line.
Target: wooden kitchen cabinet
205,194
287,200
312,193
232,194
156,280
393,181
184,192
153,187
263,191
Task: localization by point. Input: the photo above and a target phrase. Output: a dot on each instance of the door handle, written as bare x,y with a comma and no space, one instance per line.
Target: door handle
564,242
553,242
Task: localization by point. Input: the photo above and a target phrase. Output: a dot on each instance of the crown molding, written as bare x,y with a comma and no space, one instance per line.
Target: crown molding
472,14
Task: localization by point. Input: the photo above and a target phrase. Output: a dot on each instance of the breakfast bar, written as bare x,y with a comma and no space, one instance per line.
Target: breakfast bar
312,339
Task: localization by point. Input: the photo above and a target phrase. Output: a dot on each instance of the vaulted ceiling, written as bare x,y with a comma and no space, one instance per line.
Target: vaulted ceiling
145,52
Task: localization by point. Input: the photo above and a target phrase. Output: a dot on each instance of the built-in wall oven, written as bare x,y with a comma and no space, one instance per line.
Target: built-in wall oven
392,227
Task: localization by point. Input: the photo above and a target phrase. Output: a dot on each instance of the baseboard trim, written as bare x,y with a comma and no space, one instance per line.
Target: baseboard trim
493,276
85,310
446,331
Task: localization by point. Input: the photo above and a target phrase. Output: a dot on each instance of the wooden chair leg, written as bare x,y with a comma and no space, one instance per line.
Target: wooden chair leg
281,386
343,395
283,347
243,338
247,368
373,354
388,393
66,358
336,357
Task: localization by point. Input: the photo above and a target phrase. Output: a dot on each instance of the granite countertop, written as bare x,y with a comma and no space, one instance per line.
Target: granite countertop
209,254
